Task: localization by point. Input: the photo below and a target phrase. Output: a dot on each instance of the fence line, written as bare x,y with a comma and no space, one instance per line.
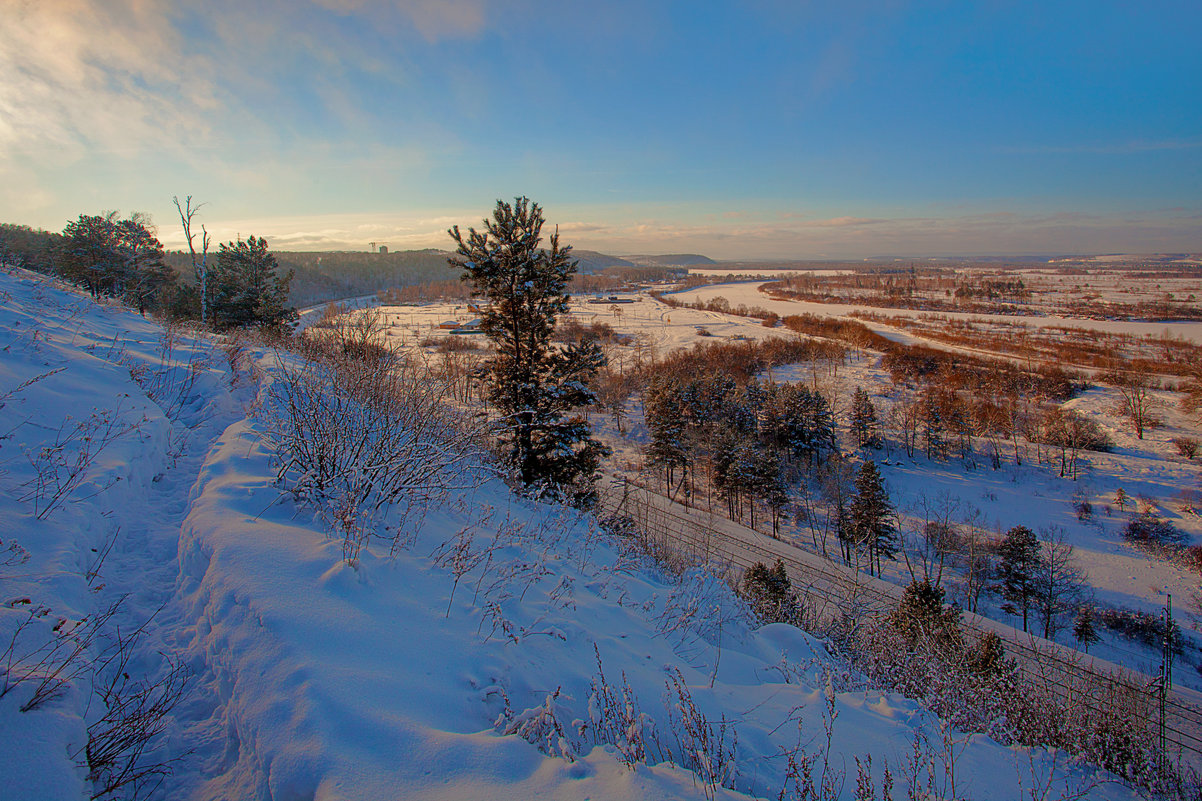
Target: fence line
1073,676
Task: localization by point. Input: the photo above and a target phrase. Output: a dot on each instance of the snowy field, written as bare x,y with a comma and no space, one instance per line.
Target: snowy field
749,294
151,555
1033,495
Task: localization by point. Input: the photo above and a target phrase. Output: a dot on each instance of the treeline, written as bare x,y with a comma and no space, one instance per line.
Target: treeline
417,276
337,275
717,304
937,290
239,285
618,277
948,369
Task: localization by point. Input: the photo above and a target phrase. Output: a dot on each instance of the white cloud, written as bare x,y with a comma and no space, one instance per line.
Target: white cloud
81,75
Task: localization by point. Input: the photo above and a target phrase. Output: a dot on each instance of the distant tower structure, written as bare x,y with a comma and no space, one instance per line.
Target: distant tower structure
384,249
373,246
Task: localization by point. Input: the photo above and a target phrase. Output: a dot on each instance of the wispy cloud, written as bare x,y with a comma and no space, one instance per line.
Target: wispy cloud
77,75
115,85
841,222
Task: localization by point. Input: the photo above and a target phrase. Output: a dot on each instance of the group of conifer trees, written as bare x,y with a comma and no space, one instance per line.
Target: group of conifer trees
754,442
122,258
744,438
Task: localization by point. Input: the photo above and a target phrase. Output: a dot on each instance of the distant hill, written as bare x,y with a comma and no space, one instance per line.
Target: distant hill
590,261
673,260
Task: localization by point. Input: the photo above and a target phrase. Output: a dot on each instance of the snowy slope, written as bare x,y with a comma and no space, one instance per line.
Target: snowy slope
311,679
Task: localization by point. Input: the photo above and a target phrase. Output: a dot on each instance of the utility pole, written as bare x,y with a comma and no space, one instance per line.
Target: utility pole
1166,673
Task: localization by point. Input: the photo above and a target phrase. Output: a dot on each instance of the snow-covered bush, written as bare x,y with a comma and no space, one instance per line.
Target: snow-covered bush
615,719
1149,529
975,689
368,442
540,727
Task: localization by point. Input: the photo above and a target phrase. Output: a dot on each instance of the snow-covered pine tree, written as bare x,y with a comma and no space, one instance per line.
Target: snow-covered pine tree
1084,630
246,287
533,385
769,592
1019,560
871,516
865,430
664,413
798,421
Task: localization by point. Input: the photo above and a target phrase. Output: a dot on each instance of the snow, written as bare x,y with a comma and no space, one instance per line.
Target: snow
1031,495
314,679
749,294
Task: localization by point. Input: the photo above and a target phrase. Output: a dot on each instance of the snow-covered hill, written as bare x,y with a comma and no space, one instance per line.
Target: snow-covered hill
154,577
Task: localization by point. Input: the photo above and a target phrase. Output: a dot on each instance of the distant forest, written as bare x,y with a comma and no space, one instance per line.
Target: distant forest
337,275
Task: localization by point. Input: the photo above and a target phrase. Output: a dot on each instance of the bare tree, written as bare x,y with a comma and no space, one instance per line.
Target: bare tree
906,414
200,263
931,539
1136,399
1059,583
976,558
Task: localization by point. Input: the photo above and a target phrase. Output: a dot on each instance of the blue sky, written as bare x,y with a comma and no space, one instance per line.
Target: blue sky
755,129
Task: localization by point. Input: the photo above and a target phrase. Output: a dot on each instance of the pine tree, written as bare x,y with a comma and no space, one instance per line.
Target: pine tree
533,385
770,592
798,421
1018,566
770,485
865,430
664,413
246,288
1084,630
111,256
934,430
146,272
871,516
987,658
921,615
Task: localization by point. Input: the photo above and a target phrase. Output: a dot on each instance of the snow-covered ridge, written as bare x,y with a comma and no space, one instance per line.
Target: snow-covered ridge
398,677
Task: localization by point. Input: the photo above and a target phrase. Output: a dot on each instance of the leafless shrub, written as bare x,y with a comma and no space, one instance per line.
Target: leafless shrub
813,777
1102,722
1186,446
456,344
53,659
237,356
4,396
64,464
458,556
12,553
1150,530
93,571
119,754
614,718
494,616
705,748
171,384
369,444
